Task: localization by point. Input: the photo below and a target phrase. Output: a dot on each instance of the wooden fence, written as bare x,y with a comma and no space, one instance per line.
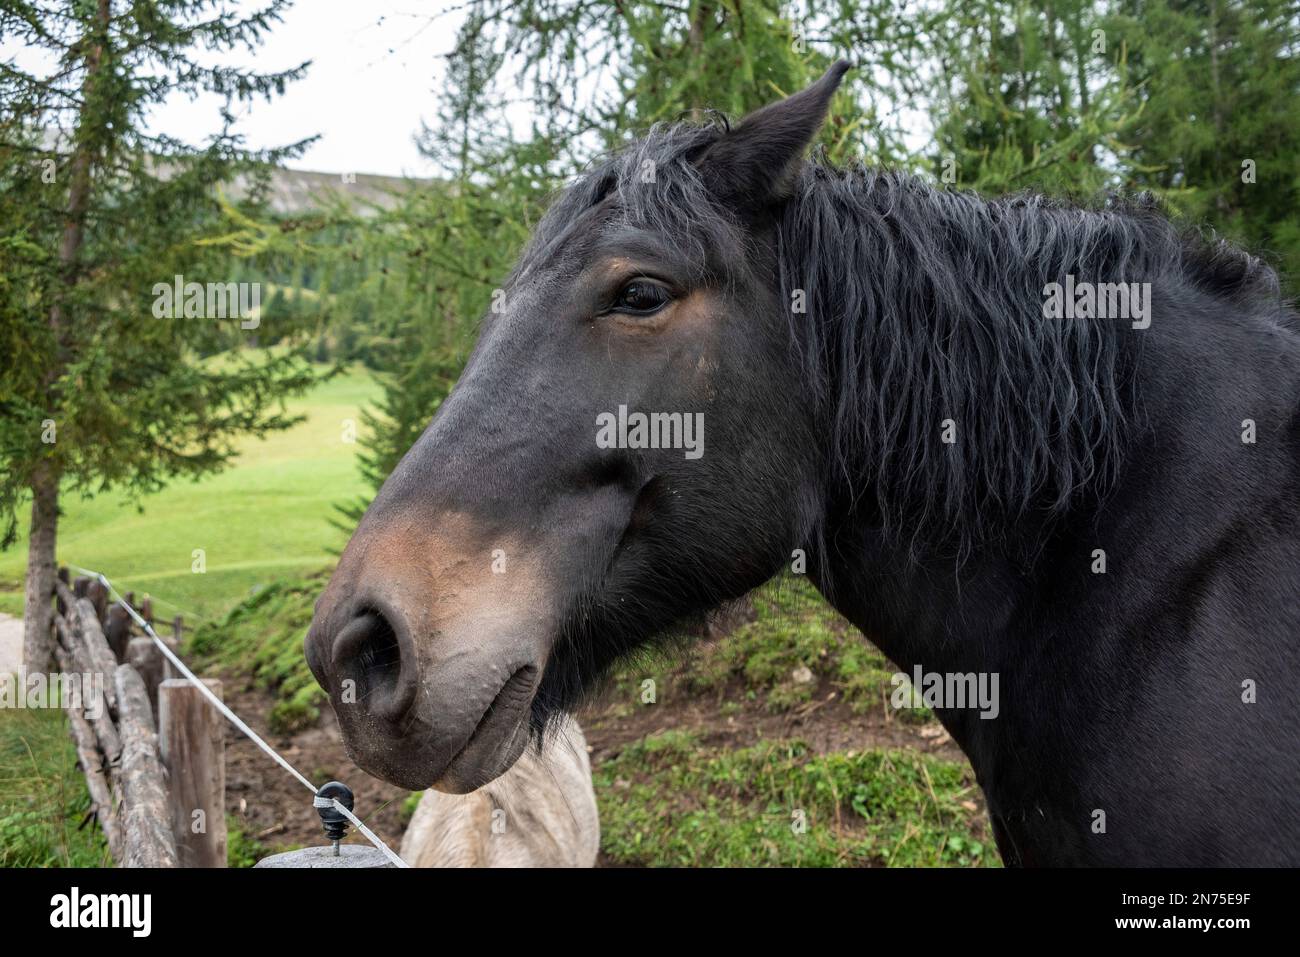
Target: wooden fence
153,749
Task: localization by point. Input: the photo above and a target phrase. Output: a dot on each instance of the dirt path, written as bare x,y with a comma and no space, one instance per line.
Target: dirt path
11,644
275,808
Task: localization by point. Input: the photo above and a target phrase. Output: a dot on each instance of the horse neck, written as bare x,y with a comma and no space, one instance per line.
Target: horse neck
981,619
1071,645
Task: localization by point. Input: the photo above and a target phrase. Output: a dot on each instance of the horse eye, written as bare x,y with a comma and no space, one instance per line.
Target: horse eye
641,297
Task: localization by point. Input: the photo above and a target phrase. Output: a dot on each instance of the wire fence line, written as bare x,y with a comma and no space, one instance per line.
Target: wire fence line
123,749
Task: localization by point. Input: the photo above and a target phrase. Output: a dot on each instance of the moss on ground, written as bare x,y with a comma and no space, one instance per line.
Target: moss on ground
792,629
668,801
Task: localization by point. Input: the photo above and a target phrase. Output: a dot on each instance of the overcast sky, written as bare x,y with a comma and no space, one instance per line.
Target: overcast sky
377,67
377,70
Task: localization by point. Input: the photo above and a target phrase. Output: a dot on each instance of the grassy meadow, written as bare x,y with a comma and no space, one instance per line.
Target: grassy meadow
263,519
44,805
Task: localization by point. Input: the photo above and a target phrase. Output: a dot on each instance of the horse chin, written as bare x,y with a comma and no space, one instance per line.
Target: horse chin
423,751
492,751
407,764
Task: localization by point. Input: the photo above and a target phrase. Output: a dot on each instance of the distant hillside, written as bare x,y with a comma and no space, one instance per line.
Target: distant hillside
298,191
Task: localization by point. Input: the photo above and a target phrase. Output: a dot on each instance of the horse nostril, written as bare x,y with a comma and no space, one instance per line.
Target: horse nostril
379,658
369,653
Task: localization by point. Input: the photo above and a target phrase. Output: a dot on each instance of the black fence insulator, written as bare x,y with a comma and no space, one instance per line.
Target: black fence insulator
336,825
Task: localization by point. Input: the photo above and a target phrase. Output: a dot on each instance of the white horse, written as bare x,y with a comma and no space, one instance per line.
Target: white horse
540,813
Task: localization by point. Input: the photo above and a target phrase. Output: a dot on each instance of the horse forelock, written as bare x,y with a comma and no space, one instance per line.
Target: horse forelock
650,184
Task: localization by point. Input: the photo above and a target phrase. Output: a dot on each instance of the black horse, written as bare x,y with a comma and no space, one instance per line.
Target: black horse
1015,438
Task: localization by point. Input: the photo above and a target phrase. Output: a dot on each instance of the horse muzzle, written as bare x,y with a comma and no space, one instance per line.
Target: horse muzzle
431,665
453,717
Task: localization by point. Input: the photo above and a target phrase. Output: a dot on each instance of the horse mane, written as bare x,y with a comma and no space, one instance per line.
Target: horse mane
923,305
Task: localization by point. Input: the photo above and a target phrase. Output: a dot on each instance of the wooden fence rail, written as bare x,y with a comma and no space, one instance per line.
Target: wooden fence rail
151,748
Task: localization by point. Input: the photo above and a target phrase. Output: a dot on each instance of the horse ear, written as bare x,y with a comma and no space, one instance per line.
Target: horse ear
755,164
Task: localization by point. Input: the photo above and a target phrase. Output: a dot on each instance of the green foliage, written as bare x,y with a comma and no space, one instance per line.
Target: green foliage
596,72
792,628
409,804
243,849
1032,95
1185,99
44,806
1217,137
103,392
262,636
670,801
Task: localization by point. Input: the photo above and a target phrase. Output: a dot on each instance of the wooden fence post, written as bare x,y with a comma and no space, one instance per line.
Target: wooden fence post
146,831
173,643
92,744
125,754
143,655
72,659
117,630
98,596
191,739
59,603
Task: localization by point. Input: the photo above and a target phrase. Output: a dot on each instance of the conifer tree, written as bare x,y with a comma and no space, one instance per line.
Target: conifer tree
103,384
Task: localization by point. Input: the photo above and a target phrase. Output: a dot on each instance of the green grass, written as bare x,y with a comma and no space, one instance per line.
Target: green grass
793,628
668,801
244,849
262,636
263,519
43,800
